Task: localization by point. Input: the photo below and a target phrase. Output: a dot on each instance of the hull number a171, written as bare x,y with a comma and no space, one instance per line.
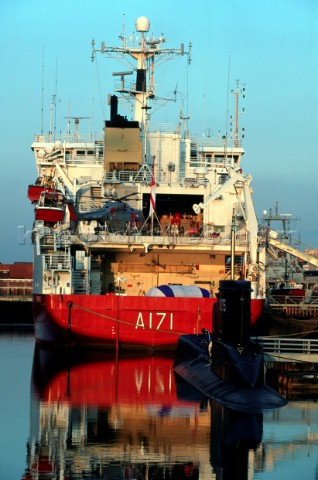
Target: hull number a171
155,320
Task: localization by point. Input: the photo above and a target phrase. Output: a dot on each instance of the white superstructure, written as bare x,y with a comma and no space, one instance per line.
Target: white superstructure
201,194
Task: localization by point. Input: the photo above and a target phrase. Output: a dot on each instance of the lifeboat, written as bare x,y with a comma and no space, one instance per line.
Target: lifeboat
34,190
50,207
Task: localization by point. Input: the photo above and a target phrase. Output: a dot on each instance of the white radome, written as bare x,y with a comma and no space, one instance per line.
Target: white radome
142,24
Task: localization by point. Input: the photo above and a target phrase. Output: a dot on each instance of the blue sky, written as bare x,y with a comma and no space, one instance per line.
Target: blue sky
270,46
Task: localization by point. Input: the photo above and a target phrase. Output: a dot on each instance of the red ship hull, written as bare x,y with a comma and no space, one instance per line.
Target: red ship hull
289,295
290,292
122,321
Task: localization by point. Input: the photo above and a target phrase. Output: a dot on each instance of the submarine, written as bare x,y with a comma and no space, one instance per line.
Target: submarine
225,364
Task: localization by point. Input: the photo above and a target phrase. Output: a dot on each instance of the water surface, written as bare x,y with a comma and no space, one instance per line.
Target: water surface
95,416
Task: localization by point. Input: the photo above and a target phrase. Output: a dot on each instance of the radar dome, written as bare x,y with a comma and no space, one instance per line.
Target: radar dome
142,24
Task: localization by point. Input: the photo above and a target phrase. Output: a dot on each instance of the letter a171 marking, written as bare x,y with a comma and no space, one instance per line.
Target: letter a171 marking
155,320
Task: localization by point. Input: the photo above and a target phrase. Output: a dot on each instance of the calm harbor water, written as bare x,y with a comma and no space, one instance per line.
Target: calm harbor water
91,417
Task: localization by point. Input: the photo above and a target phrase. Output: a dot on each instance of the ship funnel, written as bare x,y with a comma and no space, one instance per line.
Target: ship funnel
113,107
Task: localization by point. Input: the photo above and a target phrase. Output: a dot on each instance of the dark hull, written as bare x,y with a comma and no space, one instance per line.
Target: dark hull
197,372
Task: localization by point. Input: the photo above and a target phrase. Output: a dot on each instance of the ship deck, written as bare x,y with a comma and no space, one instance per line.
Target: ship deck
179,242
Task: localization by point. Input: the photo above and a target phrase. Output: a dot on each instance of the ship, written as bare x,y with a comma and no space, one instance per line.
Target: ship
133,235
286,265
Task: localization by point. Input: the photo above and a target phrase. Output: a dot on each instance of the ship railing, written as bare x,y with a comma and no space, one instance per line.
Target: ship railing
85,160
283,299
163,178
190,230
69,137
142,176
89,159
201,161
49,237
161,239
56,262
288,349
62,239
303,309
125,234
212,141
184,177
158,127
165,127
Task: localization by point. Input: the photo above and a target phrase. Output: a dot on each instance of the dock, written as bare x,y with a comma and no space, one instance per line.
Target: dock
287,349
16,298
291,365
292,307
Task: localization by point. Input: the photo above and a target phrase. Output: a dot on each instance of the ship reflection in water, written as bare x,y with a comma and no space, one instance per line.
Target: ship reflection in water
102,418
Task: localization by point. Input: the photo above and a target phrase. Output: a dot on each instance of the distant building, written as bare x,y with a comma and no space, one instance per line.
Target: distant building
16,279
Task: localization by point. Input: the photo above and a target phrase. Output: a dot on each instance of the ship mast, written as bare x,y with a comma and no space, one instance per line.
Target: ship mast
146,54
237,92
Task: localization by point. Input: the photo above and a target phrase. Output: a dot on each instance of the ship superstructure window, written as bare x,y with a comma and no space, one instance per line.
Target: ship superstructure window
219,159
222,160
81,153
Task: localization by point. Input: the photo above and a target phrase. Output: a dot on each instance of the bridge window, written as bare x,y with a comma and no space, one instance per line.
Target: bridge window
219,159
208,159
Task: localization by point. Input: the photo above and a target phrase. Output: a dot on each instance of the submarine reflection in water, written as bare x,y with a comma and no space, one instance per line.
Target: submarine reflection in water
97,417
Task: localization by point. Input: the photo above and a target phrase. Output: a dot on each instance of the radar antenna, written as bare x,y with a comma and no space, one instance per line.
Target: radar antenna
76,124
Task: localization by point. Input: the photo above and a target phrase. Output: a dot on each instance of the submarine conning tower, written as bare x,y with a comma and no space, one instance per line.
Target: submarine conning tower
233,321
236,359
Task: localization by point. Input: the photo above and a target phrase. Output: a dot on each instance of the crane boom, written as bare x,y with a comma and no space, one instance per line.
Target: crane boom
293,251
